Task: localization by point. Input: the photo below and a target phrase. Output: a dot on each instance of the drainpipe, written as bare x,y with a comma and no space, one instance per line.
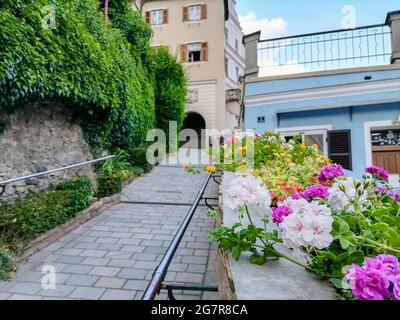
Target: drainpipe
393,21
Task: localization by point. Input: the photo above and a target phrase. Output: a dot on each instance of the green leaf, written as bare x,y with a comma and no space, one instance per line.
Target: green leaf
257,259
236,252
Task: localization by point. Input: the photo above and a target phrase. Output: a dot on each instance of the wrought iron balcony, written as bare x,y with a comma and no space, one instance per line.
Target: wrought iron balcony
338,49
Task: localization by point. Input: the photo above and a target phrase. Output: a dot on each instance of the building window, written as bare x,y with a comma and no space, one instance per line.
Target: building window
309,138
236,73
157,17
237,45
226,67
195,13
194,52
261,119
226,34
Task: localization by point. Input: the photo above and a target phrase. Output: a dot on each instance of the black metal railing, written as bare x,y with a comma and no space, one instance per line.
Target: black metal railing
337,49
156,283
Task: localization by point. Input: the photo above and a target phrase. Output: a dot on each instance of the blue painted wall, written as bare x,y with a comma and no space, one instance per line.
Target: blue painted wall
366,107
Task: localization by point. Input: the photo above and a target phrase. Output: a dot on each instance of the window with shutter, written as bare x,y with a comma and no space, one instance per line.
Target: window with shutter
185,13
148,16
165,17
339,148
203,11
204,51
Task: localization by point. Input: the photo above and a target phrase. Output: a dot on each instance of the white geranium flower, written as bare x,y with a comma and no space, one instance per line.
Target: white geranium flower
247,190
342,193
310,224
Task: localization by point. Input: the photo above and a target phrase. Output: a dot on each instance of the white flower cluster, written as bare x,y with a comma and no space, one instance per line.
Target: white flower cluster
247,190
342,193
310,224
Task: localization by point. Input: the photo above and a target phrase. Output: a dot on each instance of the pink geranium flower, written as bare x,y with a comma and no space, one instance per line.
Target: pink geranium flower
378,279
314,192
278,214
378,172
329,172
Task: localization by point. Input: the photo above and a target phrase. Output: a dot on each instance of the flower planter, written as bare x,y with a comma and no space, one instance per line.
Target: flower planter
277,279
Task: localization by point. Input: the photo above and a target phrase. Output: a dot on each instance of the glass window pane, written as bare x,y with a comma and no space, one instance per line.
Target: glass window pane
315,139
194,13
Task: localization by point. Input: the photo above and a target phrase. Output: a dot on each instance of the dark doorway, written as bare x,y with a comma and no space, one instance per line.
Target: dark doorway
197,123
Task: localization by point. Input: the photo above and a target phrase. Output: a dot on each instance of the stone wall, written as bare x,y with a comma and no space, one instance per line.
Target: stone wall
37,138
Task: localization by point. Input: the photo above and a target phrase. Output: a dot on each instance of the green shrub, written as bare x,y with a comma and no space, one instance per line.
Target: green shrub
35,214
82,183
170,90
110,184
6,264
137,158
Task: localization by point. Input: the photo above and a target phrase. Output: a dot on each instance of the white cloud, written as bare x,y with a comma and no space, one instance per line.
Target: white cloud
269,28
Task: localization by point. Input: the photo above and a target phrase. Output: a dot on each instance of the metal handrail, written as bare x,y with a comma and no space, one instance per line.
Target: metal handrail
5,182
161,271
324,32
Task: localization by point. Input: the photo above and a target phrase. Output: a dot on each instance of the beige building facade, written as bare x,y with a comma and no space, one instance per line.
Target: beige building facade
205,35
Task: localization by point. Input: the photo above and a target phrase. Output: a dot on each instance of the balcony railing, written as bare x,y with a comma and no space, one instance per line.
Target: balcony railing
338,49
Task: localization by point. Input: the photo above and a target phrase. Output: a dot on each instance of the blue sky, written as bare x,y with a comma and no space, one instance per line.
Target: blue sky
291,17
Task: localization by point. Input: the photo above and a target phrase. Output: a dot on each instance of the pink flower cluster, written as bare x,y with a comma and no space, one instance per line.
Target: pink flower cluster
329,172
314,192
278,214
378,279
380,173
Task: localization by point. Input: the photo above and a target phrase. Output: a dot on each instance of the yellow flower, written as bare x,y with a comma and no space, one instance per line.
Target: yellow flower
211,169
269,132
186,165
315,146
266,146
303,146
244,149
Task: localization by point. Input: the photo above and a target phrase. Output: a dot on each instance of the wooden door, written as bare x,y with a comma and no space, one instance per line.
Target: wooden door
387,157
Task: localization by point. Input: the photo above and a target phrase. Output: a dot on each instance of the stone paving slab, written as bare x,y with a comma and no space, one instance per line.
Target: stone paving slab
113,256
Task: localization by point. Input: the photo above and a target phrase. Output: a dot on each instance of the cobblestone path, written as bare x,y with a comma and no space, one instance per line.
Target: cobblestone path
114,255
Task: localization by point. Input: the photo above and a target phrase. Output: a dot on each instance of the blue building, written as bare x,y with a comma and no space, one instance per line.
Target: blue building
352,113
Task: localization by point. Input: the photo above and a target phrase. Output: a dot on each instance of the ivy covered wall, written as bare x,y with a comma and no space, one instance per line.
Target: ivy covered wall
104,73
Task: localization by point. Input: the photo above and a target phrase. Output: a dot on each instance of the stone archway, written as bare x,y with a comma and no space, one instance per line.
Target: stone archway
197,123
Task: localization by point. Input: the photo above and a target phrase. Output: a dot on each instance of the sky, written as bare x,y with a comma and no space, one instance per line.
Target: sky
279,18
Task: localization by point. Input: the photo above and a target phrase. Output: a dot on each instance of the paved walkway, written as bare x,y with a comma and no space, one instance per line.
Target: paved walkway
114,255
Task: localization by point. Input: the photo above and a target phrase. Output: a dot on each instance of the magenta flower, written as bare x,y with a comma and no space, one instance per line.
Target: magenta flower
367,283
315,192
329,172
377,172
387,263
396,287
296,196
390,193
280,213
378,279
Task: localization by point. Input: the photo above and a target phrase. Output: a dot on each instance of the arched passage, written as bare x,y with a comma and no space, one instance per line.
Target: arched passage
197,123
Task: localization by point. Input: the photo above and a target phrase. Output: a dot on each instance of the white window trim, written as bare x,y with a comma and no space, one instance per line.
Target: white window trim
308,130
368,127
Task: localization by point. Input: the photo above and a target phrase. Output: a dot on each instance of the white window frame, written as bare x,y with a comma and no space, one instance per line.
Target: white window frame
199,44
194,10
310,130
160,17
